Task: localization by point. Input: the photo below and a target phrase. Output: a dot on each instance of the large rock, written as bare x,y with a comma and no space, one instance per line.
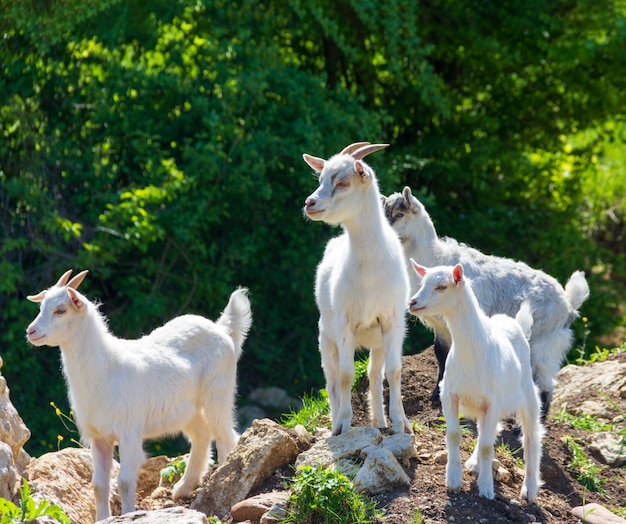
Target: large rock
63,478
8,472
13,431
604,381
177,515
262,449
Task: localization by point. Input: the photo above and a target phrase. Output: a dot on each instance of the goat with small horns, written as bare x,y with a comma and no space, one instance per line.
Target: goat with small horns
361,288
180,377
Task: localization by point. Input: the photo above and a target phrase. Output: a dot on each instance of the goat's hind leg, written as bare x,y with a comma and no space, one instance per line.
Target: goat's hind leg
199,434
393,371
532,434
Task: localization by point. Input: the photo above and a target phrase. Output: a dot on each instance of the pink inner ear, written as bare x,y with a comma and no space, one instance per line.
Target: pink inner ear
420,270
457,273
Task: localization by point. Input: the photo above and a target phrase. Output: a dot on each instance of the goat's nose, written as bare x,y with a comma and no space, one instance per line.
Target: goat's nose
310,201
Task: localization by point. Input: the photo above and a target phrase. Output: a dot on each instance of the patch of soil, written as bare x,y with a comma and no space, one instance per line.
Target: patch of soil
428,494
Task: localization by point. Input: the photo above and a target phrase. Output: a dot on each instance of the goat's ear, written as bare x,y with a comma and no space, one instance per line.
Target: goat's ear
420,270
38,297
359,169
406,193
457,274
77,301
316,163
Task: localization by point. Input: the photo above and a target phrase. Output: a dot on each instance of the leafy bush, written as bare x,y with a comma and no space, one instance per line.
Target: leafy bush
29,511
323,496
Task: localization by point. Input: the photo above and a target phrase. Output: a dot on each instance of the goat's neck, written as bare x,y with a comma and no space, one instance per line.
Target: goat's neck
468,325
87,349
366,228
425,248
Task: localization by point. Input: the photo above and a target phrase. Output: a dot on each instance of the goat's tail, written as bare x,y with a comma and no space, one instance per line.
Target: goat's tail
524,318
577,289
237,317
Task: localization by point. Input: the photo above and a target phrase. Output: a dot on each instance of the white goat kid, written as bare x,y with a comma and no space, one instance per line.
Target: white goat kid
500,284
361,287
180,377
488,376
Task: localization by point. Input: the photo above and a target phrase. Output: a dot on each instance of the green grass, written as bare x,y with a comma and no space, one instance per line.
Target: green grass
582,467
581,421
315,413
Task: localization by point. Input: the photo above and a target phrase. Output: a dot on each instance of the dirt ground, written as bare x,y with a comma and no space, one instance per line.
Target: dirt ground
428,495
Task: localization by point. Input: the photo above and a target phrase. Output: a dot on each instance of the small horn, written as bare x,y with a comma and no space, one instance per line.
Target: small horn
64,278
366,150
75,282
353,147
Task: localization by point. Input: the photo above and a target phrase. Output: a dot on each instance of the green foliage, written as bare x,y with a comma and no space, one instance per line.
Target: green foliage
158,144
29,511
314,413
174,469
581,421
323,496
585,469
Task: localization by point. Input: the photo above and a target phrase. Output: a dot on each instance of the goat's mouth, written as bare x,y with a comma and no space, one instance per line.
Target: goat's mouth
415,310
35,338
313,212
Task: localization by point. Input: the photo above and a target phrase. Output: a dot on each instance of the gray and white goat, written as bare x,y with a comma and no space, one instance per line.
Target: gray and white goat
362,286
500,284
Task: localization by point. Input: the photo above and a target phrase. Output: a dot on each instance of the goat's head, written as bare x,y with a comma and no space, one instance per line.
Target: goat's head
342,180
438,289
59,304
407,215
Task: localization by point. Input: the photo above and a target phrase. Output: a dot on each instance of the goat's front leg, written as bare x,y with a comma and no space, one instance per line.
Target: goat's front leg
102,458
342,419
131,458
487,430
330,365
375,372
450,407
392,340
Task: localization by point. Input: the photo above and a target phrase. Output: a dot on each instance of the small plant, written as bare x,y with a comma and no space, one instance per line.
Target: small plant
323,496
68,423
29,511
581,421
418,518
585,470
173,469
315,412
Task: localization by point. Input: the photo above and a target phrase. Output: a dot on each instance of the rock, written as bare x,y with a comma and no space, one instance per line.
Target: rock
64,478
246,415
348,445
276,514
610,446
176,515
255,507
275,398
596,514
441,456
380,472
263,448
150,474
13,431
607,380
8,472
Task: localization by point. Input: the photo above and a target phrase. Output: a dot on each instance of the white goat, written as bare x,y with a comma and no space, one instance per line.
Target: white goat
180,377
500,284
361,288
488,376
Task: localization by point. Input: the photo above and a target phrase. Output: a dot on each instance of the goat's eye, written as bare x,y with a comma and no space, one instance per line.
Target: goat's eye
440,287
60,311
342,184
398,216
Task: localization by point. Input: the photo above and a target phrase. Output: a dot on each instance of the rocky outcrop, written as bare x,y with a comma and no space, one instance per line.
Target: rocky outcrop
13,435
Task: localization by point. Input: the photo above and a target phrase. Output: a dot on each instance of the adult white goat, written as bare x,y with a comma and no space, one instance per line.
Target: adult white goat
361,288
180,377
488,376
500,284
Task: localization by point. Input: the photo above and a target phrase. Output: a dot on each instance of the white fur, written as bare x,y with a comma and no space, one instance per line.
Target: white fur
180,377
361,289
500,284
487,377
